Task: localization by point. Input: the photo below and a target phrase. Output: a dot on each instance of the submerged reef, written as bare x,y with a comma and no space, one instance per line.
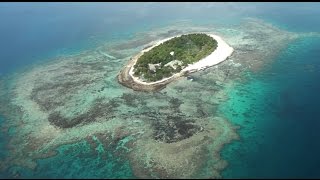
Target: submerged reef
173,133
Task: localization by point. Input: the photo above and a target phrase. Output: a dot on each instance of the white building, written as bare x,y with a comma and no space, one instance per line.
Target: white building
153,67
174,64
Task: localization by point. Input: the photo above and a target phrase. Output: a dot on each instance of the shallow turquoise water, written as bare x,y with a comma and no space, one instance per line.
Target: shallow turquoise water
277,110
2,140
78,160
3,143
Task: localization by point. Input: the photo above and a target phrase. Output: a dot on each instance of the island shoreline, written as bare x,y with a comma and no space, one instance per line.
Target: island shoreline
126,76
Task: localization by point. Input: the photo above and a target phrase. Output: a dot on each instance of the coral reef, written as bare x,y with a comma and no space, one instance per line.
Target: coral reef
173,133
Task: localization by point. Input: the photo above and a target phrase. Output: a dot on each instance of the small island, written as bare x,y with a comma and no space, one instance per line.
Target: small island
156,66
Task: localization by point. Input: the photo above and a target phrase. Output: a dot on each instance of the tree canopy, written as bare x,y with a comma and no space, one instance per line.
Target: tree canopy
188,49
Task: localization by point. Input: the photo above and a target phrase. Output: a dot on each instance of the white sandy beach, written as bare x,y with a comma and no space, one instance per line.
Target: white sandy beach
221,53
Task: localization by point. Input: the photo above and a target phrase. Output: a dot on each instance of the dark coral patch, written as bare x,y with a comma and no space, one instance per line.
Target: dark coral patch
100,109
174,128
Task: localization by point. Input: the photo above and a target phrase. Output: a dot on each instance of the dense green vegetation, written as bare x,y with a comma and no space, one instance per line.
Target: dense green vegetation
188,48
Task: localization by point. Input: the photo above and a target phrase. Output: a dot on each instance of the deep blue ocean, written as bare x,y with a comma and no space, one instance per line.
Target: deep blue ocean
281,118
